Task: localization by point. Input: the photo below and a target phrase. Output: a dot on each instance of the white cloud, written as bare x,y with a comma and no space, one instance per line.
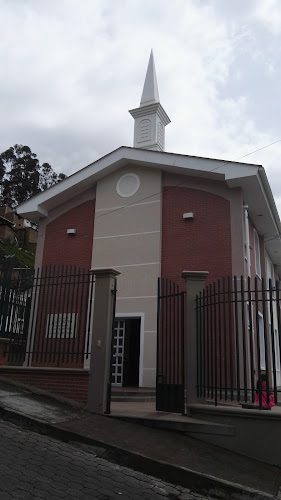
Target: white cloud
268,12
72,69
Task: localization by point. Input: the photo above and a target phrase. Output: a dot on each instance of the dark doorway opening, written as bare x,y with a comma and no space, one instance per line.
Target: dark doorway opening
131,353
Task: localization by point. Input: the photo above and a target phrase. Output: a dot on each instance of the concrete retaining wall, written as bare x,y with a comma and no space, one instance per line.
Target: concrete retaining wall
257,435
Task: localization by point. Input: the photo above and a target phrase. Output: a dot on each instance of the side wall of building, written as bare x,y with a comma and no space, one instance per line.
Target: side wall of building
204,242
61,310
71,249
55,246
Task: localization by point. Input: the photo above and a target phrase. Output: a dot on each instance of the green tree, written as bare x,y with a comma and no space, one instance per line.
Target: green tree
22,175
48,177
2,171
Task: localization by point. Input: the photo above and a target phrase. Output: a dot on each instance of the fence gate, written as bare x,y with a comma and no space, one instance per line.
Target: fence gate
170,372
239,341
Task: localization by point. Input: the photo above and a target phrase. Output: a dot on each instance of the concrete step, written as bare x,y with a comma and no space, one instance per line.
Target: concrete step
131,399
178,423
124,395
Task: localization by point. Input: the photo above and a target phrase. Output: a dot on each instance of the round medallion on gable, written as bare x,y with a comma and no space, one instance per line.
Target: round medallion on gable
128,185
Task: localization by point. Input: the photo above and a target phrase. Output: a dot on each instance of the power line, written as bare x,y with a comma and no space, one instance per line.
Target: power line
267,146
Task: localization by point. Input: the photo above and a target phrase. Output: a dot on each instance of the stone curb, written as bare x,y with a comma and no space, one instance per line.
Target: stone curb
193,480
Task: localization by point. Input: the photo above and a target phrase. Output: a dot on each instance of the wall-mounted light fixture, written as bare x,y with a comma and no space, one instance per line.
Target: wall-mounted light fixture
71,231
188,215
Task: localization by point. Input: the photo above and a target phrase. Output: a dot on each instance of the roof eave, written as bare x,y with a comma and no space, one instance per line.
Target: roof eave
250,178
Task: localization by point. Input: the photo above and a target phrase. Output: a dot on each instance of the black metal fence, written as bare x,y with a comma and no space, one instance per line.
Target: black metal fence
170,379
15,299
239,341
45,316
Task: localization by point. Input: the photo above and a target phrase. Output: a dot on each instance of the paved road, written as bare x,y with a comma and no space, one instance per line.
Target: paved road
38,467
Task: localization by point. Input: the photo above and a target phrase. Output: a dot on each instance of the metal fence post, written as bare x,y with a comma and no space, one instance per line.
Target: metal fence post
194,282
101,340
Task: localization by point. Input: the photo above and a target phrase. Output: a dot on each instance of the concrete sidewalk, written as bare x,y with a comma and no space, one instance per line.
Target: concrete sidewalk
169,455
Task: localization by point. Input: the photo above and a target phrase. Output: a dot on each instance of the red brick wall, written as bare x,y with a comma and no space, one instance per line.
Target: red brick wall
70,385
199,244
75,250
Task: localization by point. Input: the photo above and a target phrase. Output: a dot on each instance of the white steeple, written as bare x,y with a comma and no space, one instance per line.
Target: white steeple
150,92
150,117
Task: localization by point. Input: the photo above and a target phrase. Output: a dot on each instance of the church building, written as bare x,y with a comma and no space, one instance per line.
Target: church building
149,213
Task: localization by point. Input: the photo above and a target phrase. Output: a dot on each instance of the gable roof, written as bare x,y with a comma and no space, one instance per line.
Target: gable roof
250,178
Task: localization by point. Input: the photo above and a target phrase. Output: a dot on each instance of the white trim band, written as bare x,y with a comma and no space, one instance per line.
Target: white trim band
121,235
140,297
128,206
132,265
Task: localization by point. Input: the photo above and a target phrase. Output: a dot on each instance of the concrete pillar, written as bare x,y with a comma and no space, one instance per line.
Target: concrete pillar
194,282
101,339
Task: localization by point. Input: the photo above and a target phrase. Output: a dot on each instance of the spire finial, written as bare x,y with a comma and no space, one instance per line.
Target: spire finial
150,92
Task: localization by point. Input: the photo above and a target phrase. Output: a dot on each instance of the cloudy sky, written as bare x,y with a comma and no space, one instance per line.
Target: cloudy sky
70,70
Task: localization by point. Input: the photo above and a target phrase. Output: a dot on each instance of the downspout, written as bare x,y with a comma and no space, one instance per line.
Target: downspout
247,239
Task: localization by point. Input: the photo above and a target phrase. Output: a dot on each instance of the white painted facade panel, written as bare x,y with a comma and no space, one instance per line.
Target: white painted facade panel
129,239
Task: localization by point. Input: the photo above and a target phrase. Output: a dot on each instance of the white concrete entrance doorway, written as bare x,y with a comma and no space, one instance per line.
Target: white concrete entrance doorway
126,352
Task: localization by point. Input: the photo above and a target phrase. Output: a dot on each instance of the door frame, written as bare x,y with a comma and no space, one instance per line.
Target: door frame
141,317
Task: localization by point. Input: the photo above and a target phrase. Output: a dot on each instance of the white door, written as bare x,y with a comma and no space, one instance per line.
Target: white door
118,353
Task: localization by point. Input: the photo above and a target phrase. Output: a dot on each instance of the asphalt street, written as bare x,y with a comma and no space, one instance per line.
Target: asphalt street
39,467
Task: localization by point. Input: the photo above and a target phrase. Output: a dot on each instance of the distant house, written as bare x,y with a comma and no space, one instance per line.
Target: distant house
150,213
16,229
7,232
